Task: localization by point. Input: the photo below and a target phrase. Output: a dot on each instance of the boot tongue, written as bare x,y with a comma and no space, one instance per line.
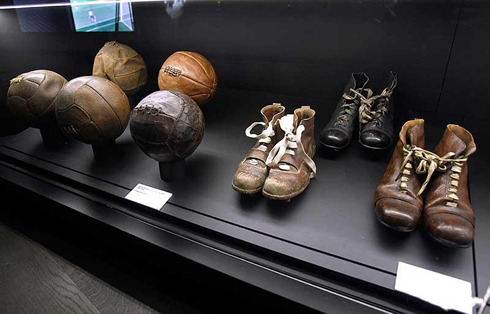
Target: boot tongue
416,134
296,122
271,111
299,115
450,142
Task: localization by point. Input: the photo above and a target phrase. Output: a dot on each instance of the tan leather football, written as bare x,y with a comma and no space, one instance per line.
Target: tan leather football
92,109
30,97
189,73
122,65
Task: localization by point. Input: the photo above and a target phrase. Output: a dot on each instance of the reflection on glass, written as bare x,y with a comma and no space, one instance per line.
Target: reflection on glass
174,8
102,17
126,18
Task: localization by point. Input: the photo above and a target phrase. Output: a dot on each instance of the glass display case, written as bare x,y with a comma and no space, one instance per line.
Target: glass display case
165,94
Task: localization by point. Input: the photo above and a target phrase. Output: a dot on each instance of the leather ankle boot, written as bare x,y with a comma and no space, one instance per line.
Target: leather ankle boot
377,115
448,216
338,132
397,202
290,160
252,171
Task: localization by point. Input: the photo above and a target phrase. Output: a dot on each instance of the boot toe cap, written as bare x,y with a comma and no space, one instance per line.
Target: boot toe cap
450,230
375,139
247,182
397,214
334,138
275,188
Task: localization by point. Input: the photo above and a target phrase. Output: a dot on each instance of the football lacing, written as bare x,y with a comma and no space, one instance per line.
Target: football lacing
456,169
429,162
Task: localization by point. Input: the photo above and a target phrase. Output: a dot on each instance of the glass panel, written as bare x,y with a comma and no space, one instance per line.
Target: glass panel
94,17
125,17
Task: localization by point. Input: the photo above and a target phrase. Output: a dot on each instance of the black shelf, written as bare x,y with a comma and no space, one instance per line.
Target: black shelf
324,249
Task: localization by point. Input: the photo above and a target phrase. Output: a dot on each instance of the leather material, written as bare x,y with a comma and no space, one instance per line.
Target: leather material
167,126
338,136
122,65
92,109
397,207
189,73
250,175
285,184
379,132
30,97
452,226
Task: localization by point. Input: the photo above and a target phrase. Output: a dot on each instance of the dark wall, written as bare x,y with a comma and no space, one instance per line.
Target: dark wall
302,48
466,89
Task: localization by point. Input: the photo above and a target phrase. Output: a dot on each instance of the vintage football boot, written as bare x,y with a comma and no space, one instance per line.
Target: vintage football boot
448,216
252,171
397,201
338,132
376,117
290,160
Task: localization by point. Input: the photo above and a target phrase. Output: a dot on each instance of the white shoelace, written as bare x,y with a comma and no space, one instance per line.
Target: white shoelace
289,142
264,137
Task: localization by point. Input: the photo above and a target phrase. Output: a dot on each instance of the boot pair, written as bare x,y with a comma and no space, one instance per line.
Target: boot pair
280,163
448,216
358,106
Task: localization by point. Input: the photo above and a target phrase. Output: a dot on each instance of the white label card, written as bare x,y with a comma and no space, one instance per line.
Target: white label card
444,291
149,196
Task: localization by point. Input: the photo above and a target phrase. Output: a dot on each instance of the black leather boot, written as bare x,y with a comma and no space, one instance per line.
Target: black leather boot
376,117
338,132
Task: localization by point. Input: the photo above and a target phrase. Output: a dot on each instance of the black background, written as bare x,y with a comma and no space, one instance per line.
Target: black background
300,48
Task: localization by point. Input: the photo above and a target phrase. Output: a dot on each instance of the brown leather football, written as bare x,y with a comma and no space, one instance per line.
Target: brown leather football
30,96
122,65
167,126
92,109
189,73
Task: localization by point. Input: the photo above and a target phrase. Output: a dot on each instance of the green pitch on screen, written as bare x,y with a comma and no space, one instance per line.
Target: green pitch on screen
102,17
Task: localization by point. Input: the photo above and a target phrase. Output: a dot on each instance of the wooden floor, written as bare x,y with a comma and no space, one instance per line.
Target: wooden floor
53,260
36,280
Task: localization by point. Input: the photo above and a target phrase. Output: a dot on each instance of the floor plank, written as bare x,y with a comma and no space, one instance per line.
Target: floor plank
106,298
33,282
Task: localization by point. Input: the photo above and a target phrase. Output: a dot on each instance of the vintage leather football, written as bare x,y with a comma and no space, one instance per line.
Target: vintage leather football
92,109
30,97
122,65
189,73
167,126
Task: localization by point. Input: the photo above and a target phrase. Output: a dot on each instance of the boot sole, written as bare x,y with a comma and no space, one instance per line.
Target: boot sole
374,148
447,243
334,148
247,192
396,229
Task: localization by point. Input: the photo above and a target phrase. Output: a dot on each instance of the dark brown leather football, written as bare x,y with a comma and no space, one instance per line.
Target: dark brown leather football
122,65
167,126
189,73
92,109
30,97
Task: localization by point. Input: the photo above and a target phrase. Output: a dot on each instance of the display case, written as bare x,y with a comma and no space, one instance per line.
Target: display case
323,248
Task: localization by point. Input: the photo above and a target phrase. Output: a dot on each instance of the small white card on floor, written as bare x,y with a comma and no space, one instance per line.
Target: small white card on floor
444,291
149,196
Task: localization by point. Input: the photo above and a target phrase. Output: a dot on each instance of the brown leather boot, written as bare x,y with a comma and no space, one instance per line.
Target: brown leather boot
290,160
252,171
396,199
448,216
